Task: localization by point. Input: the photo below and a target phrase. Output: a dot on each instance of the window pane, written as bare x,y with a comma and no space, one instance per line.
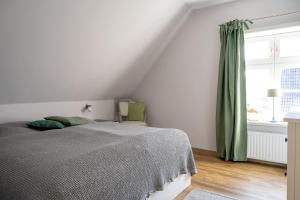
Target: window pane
290,89
289,46
257,100
257,50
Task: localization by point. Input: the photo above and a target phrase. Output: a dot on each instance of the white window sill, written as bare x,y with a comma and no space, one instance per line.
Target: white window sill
265,126
267,123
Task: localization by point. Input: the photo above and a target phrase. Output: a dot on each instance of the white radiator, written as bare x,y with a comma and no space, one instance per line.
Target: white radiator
267,147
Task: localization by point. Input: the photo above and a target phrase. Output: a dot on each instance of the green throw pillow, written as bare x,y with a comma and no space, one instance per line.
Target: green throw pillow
64,120
43,125
69,121
79,121
136,111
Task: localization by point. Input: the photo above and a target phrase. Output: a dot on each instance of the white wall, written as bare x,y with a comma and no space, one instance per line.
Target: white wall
180,90
71,50
33,111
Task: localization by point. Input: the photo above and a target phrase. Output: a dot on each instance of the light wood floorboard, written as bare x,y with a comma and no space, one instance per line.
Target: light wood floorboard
243,181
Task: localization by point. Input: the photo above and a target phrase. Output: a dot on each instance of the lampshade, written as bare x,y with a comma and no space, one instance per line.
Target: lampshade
123,107
272,93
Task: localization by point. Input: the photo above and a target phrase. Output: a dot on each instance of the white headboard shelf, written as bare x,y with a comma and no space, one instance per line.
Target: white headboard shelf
102,109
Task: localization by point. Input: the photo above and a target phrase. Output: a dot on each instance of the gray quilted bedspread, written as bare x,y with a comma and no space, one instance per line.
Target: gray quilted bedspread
99,161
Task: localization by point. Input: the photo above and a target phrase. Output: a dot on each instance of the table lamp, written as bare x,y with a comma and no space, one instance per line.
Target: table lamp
273,93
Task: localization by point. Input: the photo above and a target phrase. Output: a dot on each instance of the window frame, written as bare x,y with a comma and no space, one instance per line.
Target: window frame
271,48
277,43
274,63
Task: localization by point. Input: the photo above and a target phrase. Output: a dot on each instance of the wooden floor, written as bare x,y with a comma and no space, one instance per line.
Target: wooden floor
238,180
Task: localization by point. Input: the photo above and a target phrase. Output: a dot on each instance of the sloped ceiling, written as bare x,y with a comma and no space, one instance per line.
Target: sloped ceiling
198,4
63,50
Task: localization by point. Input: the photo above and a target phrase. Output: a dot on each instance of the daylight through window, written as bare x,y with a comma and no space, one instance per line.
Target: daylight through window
272,62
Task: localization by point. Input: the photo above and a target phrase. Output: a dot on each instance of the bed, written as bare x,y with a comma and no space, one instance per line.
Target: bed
103,160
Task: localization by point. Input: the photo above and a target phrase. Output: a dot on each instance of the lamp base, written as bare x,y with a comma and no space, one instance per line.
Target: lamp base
273,120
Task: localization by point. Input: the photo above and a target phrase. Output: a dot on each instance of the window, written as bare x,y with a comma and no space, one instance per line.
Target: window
257,49
290,89
289,46
272,61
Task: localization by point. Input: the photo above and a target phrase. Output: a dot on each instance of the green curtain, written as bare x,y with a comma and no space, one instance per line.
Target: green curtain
231,115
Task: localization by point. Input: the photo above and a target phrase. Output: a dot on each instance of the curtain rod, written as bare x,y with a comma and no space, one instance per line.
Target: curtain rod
272,16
